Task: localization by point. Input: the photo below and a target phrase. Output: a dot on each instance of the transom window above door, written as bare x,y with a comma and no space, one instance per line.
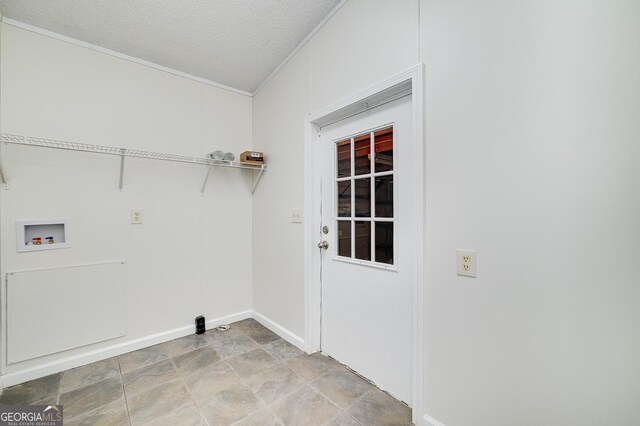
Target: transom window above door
364,213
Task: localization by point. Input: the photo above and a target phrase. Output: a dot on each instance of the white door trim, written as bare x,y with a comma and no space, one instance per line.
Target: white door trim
413,80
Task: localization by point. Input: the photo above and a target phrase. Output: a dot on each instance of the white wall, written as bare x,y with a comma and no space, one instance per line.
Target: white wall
532,153
192,255
347,55
278,126
364,43
532,149
532,160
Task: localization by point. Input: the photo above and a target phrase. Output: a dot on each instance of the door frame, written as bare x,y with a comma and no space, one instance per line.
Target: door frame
408,82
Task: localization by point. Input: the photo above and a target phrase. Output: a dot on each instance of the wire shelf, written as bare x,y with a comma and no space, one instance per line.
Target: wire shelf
8,138
101,149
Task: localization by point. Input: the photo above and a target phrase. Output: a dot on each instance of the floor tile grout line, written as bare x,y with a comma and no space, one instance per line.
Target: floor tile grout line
178,377
264,405
124,393
268,408
240,383
60,387
351,417
329,399
193,398
351,404
363,396
267,404
154,386
332,418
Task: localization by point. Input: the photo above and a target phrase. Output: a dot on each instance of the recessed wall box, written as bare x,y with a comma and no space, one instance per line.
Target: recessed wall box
42,234
252,157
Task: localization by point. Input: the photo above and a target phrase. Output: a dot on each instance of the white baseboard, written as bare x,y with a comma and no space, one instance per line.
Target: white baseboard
294,339
430,421
56,366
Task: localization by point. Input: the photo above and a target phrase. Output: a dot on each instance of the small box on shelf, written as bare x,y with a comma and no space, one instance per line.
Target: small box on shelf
252,157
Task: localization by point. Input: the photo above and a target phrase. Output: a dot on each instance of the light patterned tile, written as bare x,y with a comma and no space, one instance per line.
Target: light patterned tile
246,325
211,379
341,386
310,367
189,415
342,419
185,344
52,400
262,417
282,350
380,409
31,391
194,360
90,373
141,358
304,407
263,336
229,405
273,383
145,378
249,362
234,345
214,335
158,402
256,331
106,415
88,398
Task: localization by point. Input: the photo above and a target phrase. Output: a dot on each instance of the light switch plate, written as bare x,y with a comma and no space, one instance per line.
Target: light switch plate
296,216
137,216
466,263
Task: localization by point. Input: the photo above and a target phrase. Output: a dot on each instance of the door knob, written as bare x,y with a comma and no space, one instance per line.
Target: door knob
323,245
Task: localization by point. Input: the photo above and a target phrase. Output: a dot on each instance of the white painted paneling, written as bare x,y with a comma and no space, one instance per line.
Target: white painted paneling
278,130
532,160
225,213
364,43
54,89
52,310
62,91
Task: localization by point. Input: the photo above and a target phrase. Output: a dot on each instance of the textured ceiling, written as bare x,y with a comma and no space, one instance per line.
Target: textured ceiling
237,43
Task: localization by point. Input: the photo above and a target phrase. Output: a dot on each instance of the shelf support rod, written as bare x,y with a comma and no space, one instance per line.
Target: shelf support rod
121,168
5,184
3,180
204,184
257,180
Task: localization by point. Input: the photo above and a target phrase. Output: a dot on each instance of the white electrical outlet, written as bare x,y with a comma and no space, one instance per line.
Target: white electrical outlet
466,262
136,216
296,216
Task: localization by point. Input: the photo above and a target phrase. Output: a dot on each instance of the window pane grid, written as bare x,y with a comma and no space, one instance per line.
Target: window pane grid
365,227
389,173
372,207
365,219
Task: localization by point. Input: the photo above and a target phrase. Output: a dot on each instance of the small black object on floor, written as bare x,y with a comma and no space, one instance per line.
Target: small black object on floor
200,325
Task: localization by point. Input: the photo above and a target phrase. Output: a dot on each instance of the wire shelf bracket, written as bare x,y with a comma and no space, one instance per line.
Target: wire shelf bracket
259,168
3,181
7,138
253,188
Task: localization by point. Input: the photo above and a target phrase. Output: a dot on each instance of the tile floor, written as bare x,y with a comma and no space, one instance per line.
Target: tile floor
244,376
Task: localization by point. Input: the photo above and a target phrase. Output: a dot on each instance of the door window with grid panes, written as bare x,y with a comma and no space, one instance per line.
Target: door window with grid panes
364,197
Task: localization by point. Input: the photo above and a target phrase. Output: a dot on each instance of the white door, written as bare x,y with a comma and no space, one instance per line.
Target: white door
366,268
